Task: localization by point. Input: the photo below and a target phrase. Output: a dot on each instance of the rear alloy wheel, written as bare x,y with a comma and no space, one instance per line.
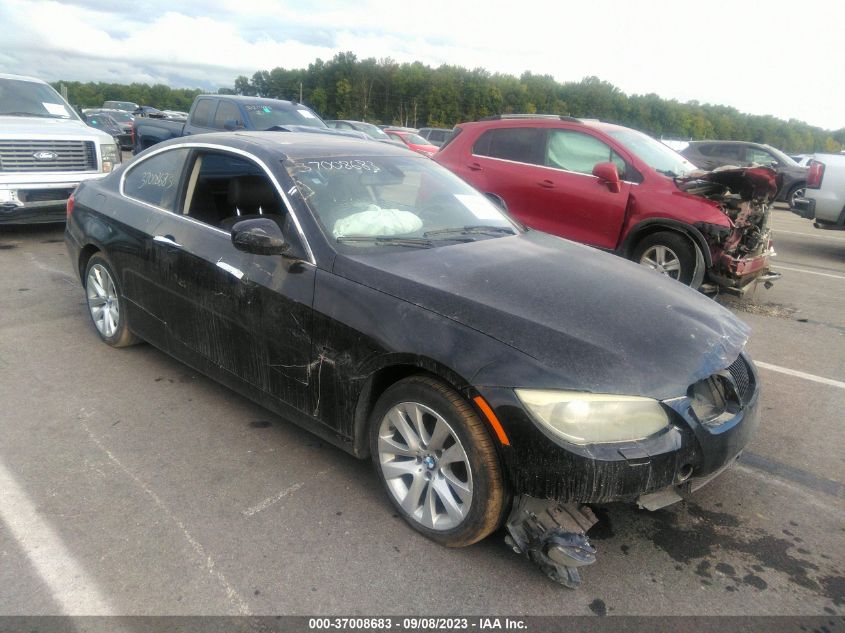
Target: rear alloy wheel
105,303
437,461
669,254
795,195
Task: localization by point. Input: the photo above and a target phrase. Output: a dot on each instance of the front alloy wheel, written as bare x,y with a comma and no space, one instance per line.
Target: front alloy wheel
662,259
671,254
425,466
437,461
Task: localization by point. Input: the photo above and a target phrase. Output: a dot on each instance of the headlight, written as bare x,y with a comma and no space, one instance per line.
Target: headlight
586,418
111,156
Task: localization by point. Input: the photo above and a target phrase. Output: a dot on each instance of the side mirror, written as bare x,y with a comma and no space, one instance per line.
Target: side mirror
259,236
499,202
608,175
232,124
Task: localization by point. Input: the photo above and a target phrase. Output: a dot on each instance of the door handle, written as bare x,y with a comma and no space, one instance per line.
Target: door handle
474,167
167,240
547,184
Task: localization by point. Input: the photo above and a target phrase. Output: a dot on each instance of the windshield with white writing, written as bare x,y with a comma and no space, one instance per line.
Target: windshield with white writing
369,202
32,99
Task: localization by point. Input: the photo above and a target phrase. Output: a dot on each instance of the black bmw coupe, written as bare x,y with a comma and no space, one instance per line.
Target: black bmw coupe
494,375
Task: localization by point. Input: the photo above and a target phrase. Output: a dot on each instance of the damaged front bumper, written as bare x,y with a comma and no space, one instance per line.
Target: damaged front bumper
740,274
552,480
688,451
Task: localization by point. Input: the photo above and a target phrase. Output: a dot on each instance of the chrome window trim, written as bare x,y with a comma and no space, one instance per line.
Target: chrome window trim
566,171
222,148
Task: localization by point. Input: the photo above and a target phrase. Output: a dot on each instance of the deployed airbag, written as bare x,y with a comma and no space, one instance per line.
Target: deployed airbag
377,221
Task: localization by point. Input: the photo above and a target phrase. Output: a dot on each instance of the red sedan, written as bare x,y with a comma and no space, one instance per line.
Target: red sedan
414,141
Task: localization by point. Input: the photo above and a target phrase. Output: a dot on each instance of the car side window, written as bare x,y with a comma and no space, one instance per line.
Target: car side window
227,111
579,152
519,144
222,189
726,152
202,112
155,180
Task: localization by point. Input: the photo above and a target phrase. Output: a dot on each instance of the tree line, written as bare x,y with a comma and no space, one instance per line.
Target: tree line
416,95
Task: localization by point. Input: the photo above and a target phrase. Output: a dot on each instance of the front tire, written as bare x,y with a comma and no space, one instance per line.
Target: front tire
106,304
437,462
668,253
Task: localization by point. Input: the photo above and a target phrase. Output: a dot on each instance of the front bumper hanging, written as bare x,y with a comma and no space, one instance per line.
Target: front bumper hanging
552,536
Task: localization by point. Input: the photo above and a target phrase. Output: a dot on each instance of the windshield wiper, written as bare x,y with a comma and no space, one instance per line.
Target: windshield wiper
472,228
416,242
35,114
667,172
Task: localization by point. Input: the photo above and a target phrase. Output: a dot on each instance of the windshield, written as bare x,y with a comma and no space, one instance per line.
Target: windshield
263,116
121,116
30,98
654,153
373,202
128,106
371,130
416,139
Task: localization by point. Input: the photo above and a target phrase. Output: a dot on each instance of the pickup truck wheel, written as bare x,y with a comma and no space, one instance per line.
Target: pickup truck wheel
668,253
795,194
106,303
437,462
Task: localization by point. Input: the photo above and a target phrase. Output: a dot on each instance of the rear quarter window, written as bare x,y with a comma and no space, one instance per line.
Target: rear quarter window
156,180
519,144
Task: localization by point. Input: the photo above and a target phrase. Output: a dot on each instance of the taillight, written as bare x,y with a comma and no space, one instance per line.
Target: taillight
70,202
815,175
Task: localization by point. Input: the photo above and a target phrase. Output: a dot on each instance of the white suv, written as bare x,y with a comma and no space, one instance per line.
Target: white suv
45,151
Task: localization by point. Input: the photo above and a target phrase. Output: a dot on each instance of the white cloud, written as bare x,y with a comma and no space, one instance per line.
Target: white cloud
740,54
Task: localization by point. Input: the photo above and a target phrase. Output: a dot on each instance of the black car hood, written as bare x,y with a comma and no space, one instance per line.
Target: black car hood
596,322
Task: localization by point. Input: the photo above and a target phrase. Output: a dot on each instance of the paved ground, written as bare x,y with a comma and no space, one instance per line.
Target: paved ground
131,485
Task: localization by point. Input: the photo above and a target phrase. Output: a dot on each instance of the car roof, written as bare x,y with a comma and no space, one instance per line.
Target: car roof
545,122
293,145
253,100
22,78
717,142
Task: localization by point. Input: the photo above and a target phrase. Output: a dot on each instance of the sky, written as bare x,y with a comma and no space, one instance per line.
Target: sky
778,58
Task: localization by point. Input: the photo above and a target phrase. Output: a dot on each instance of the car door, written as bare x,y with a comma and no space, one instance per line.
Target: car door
568,200
504,162
150,191
244,317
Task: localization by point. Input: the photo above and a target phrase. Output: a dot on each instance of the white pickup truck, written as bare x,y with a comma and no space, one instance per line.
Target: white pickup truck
45,151
824,200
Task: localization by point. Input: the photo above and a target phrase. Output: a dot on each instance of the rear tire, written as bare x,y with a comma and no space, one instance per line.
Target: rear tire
796,193
106,304
670,254
437,462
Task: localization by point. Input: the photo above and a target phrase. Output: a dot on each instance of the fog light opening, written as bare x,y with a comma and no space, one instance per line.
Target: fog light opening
684,473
